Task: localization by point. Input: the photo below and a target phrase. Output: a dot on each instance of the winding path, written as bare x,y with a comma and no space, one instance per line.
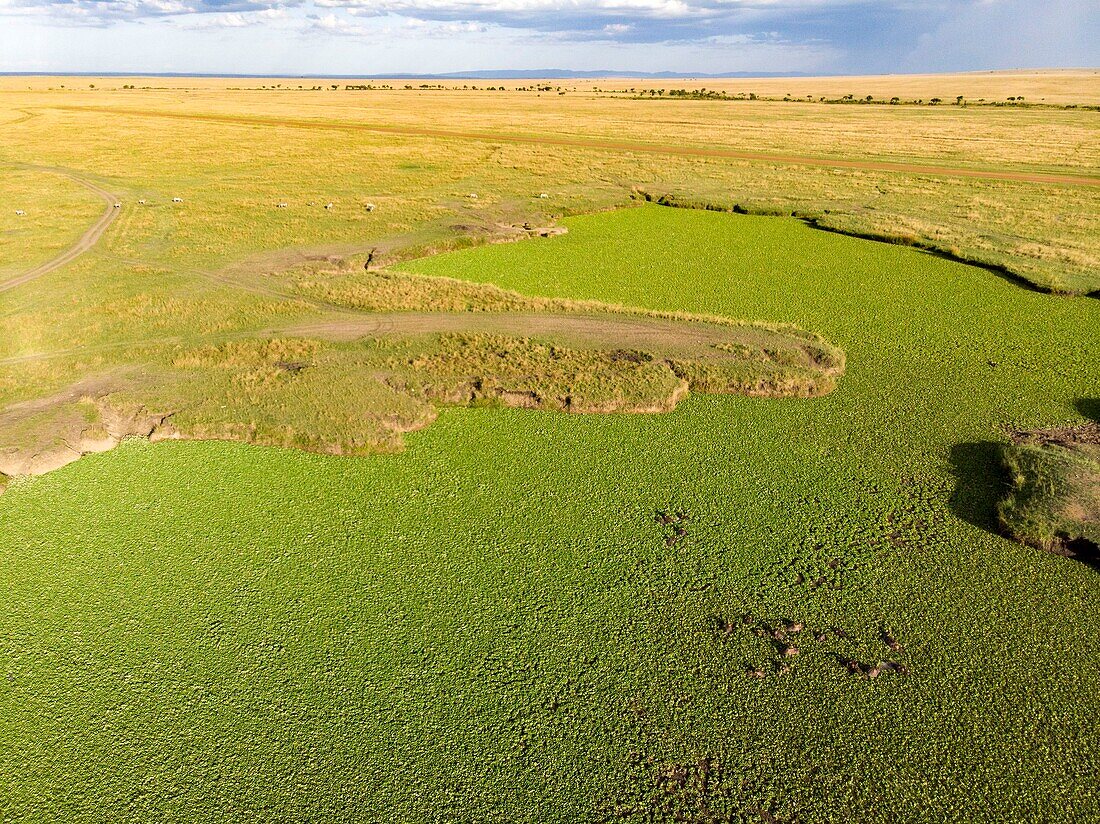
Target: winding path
86,241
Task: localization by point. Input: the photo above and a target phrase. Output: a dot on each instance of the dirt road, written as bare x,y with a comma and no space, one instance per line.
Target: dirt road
87,240
614,146
694,338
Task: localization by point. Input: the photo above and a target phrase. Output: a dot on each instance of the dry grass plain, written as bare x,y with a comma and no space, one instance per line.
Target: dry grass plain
57,211
333,145
353,384
206,247
1057,87
1067,87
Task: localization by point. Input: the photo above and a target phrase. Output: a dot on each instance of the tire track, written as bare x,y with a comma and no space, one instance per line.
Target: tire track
27,115
935,170
86,241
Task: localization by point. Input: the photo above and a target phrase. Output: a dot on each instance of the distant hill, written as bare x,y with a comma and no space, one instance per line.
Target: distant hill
568,74
493,74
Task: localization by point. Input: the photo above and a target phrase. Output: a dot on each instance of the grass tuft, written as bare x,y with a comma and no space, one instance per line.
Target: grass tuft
1054,497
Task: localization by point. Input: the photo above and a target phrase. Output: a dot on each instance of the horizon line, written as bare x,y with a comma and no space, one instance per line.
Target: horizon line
539,74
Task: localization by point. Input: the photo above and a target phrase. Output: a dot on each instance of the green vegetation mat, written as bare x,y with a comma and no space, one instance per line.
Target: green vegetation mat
534,616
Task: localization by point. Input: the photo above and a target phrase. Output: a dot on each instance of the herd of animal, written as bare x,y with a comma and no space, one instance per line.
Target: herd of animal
370,207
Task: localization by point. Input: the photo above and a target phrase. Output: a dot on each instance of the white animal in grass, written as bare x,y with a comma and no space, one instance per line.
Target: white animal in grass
370,207
177,200
543,196
118,205
280,205
472,195
20,212
328,205
141,202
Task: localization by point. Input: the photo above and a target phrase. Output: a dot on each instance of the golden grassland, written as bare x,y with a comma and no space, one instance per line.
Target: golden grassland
1059,87
327,151
57,211
269,183
979,137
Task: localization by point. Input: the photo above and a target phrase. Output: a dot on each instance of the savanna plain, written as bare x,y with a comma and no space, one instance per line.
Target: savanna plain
555,451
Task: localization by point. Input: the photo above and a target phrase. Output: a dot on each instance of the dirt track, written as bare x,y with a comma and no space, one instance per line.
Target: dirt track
696,339
614,146
87,240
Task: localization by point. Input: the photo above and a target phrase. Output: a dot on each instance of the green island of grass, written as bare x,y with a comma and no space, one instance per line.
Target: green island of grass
1054,502
359,381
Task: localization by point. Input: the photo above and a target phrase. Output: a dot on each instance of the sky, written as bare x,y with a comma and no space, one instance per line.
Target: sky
356,37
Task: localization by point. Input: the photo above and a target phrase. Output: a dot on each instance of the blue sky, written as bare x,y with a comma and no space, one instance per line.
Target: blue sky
423,36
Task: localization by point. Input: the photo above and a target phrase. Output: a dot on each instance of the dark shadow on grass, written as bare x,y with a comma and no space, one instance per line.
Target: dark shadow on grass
1089,408
979,483
1082,550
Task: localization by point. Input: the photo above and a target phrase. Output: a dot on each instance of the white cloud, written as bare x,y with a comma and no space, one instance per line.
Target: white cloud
234,19
117,11
529,8
449,35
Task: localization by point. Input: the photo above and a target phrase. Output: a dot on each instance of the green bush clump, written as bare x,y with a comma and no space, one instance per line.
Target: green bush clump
1054,496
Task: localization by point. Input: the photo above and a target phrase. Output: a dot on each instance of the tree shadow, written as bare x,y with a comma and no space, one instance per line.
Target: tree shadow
979,483
1082,550
1089,408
